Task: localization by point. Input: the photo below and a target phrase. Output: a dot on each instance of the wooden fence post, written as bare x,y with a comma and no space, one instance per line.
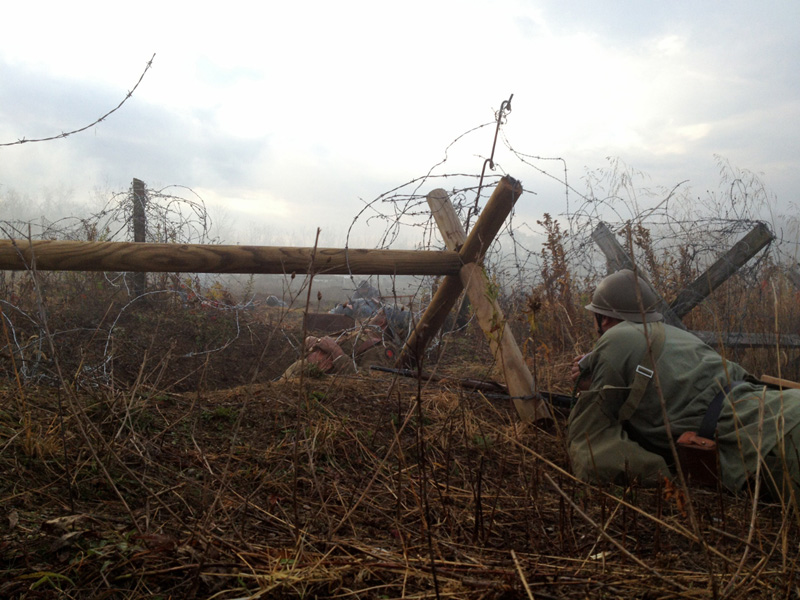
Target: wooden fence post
617,259
739,254
725,266
139,231
489,315
488,224
616,256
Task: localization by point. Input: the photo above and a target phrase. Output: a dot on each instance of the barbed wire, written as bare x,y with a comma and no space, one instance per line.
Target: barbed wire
679,222
90,125
659,224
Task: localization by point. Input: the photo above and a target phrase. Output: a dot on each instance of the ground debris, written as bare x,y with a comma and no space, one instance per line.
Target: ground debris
363,486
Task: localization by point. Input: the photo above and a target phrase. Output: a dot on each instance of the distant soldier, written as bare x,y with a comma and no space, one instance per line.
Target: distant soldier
274,301
365,290
370,344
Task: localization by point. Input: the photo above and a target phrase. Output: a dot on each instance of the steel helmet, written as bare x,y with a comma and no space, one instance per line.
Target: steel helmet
616,297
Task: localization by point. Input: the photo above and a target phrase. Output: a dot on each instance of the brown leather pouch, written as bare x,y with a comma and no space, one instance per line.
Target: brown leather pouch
698,457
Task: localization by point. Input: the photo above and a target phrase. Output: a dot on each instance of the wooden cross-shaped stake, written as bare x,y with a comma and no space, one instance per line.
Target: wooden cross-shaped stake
473,279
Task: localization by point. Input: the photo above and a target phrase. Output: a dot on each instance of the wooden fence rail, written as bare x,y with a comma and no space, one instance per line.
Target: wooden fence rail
461,266
48,255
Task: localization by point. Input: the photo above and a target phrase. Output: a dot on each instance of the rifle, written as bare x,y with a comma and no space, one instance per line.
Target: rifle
491,389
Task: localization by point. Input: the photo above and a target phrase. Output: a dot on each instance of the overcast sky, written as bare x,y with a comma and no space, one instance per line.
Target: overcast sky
291,115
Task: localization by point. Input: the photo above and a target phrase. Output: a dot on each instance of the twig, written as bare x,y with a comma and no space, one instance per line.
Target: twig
610,539
754,507
522,575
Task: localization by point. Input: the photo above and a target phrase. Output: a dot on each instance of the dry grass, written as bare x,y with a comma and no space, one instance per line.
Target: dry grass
157,459
347,488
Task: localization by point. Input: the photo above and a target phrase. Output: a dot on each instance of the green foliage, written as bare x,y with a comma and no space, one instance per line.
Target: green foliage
483,442
48,579
224,414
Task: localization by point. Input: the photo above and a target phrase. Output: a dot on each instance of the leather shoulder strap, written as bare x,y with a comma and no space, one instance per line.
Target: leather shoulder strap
644,371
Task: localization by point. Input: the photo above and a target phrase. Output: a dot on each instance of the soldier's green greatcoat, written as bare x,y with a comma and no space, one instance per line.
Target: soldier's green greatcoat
688,374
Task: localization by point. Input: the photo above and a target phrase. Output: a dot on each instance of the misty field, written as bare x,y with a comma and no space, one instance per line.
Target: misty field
149,452
151,449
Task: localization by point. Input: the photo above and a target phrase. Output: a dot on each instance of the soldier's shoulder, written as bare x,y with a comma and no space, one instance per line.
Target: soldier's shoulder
624,331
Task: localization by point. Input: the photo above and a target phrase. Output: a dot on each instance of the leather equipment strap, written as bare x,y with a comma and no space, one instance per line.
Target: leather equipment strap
644,371
709,424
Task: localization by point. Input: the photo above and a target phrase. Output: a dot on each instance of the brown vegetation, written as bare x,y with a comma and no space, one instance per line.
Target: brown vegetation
147,452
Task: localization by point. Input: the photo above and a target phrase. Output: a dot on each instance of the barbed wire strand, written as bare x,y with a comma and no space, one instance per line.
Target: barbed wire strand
90,125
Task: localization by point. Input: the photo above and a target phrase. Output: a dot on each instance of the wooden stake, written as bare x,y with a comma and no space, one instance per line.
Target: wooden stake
139,230
725,266
784,383
489,314
471,249
617,259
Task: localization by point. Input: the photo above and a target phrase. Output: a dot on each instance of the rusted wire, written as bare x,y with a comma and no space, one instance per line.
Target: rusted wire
505,108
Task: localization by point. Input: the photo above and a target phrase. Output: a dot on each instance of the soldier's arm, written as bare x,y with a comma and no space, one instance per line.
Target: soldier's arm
601,451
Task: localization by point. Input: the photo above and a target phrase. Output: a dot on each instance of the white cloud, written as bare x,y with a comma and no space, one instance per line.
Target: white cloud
296,106
670,45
